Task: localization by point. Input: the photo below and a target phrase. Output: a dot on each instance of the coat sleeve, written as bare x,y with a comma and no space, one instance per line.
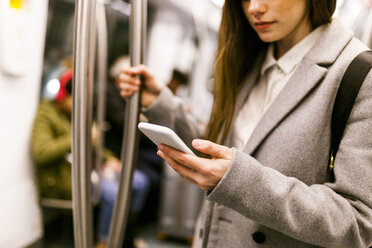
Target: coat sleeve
45,146
171,111
337,214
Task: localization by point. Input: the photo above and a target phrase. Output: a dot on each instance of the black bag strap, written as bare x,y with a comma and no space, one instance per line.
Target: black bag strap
346,95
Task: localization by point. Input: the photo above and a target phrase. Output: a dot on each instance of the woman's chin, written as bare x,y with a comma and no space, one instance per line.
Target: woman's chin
267,38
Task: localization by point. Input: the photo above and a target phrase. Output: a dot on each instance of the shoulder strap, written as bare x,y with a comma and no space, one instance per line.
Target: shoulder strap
346,95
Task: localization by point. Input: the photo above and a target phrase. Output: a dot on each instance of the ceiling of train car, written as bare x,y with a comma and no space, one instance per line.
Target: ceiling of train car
184,9
219,3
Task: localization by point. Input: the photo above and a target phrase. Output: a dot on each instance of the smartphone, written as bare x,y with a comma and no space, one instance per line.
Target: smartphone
163,135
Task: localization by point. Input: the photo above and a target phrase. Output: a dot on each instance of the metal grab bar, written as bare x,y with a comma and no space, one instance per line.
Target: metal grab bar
84,55
138,22
56,203
101,80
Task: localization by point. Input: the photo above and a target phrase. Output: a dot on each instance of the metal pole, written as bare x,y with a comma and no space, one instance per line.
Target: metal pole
131,137
101,80
84,52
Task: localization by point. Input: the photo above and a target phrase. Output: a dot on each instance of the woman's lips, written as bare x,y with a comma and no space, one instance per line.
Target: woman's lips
263,25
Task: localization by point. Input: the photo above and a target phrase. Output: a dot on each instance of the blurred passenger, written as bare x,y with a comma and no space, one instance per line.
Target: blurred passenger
357,15
178,83
278,68
109,190
51,142
51,149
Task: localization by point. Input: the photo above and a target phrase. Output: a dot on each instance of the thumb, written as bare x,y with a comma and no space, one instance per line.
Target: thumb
139,70
208,147
144,71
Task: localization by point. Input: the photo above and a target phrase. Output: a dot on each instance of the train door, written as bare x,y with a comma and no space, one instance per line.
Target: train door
22,34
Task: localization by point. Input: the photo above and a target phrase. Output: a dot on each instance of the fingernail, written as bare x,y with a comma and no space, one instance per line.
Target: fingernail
196,143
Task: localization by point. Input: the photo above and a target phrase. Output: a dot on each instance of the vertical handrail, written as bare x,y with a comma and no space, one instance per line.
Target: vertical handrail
101,80
143,33
131,137
83,54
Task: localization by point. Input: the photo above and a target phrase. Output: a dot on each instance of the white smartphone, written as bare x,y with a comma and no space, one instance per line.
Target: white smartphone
163,135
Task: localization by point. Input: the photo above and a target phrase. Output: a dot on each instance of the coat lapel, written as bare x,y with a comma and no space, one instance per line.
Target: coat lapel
310,72
306,77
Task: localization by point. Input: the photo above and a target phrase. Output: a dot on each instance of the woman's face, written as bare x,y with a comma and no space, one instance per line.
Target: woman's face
283,21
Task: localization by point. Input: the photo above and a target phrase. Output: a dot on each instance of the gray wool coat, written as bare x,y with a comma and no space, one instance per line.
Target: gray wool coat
277,192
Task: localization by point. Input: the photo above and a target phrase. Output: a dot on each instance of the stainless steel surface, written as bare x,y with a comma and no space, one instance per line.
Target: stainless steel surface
130,139
101,80
121,6
84,53
143,33
55,203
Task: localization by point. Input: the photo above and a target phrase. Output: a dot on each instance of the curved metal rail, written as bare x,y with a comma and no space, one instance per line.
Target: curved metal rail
84,55
101,79
138,20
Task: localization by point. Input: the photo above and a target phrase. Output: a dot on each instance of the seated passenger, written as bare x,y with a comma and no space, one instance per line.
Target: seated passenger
51,143
51,150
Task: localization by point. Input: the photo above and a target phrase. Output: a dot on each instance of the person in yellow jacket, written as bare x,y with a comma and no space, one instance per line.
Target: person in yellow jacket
51,143
51,150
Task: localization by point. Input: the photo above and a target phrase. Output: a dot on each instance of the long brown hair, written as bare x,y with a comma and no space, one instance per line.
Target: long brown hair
238,48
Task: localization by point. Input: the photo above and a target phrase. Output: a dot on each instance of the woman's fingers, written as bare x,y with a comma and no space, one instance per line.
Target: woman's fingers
127,79
128,85
143,71
208,147
150,82
127,90
139,70
191,175
191,161
181,169
205,173
126,93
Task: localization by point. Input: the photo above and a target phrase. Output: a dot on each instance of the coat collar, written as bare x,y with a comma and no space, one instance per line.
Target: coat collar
311,70
327,49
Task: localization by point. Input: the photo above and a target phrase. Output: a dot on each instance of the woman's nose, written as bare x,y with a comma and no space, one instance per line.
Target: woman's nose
257,8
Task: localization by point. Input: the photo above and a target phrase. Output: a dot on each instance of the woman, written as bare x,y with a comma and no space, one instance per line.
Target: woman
278,68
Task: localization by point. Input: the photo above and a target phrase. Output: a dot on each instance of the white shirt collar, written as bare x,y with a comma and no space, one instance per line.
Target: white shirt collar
292,57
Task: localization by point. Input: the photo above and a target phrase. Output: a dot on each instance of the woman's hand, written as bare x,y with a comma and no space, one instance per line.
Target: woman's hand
205,173
128,83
